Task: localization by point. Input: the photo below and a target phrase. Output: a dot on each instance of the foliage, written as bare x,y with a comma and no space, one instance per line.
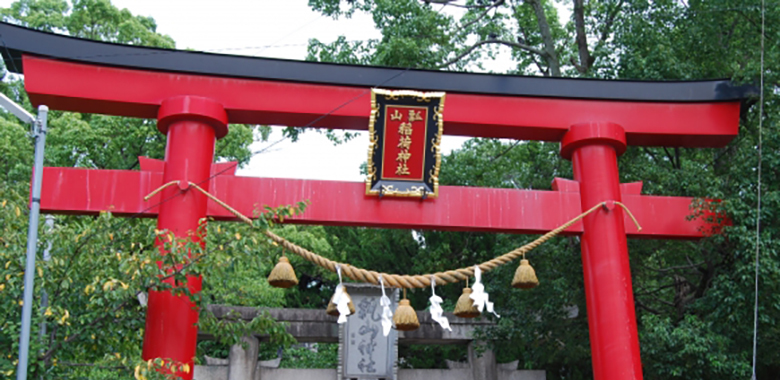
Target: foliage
428,356
231,329
313,355
100,265
92,19
323,356
694,299
428,34
98,269
690,349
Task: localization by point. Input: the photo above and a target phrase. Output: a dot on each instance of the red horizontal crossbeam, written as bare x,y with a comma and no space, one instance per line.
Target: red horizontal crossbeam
82,191
138,93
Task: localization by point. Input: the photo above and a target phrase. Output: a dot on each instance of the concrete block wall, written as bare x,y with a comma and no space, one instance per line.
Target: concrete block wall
316,326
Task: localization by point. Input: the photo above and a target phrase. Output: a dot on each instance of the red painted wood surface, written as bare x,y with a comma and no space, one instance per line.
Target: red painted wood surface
88,88
191,125
594,147
609,295
82,191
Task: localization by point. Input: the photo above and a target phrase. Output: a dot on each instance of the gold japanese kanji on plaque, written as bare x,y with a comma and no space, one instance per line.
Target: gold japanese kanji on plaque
404,154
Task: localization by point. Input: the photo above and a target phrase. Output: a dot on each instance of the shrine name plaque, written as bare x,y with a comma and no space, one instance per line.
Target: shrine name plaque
404,155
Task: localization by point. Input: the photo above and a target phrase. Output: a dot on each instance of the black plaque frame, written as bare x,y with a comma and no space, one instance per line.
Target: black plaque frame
429,186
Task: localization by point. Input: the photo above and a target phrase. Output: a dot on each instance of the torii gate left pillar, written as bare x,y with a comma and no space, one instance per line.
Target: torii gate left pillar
192,125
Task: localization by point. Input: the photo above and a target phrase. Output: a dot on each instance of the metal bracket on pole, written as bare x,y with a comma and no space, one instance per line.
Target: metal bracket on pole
39,133
16,110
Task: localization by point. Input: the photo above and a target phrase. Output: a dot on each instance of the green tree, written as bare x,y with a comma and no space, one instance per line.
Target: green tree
94,321
450,34
694,299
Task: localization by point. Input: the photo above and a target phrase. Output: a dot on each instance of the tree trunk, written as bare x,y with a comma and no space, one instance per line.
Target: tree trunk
582,38
549,44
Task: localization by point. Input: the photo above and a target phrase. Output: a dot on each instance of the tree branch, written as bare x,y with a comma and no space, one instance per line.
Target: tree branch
136,162
115,367
490,41
452,4
504,152
658,289
643,306
664,270
542,70
670,157
482,15
650,152
667,303
581,37
462,55
679,158
550,53
608,23
47,355
520,46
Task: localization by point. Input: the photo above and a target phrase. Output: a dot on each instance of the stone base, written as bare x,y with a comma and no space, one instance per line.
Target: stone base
217,372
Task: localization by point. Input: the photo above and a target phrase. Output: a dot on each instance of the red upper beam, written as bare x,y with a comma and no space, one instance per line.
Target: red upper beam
138,93
81,191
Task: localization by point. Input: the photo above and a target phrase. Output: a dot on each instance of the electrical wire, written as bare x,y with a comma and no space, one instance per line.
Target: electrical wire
304,26
162,51
229,167
124,224
758,191
127,219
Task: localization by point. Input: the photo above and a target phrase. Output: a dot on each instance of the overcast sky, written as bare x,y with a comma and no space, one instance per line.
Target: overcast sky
279,29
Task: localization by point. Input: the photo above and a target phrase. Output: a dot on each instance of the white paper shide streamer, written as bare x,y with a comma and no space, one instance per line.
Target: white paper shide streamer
436,309
479,295
341,299
387,314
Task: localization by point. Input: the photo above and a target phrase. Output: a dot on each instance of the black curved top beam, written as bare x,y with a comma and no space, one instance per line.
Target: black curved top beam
18,40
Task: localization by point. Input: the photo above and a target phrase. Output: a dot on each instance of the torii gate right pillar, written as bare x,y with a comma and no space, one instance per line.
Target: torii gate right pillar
593,149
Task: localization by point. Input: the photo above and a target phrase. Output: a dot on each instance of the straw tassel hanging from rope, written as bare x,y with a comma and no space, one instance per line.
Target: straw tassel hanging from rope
283,274
465,308
405,317
525,276
470,303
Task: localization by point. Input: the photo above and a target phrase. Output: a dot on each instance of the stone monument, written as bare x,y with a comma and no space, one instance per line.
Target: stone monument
364,352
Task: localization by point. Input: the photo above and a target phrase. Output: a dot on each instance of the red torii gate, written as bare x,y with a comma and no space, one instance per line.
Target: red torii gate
195,95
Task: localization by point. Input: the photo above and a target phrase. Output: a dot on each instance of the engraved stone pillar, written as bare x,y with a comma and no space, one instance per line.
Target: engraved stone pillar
243,361
483,364
364,352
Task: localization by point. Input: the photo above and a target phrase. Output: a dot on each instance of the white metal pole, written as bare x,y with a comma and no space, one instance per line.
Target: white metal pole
39,131
46,257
